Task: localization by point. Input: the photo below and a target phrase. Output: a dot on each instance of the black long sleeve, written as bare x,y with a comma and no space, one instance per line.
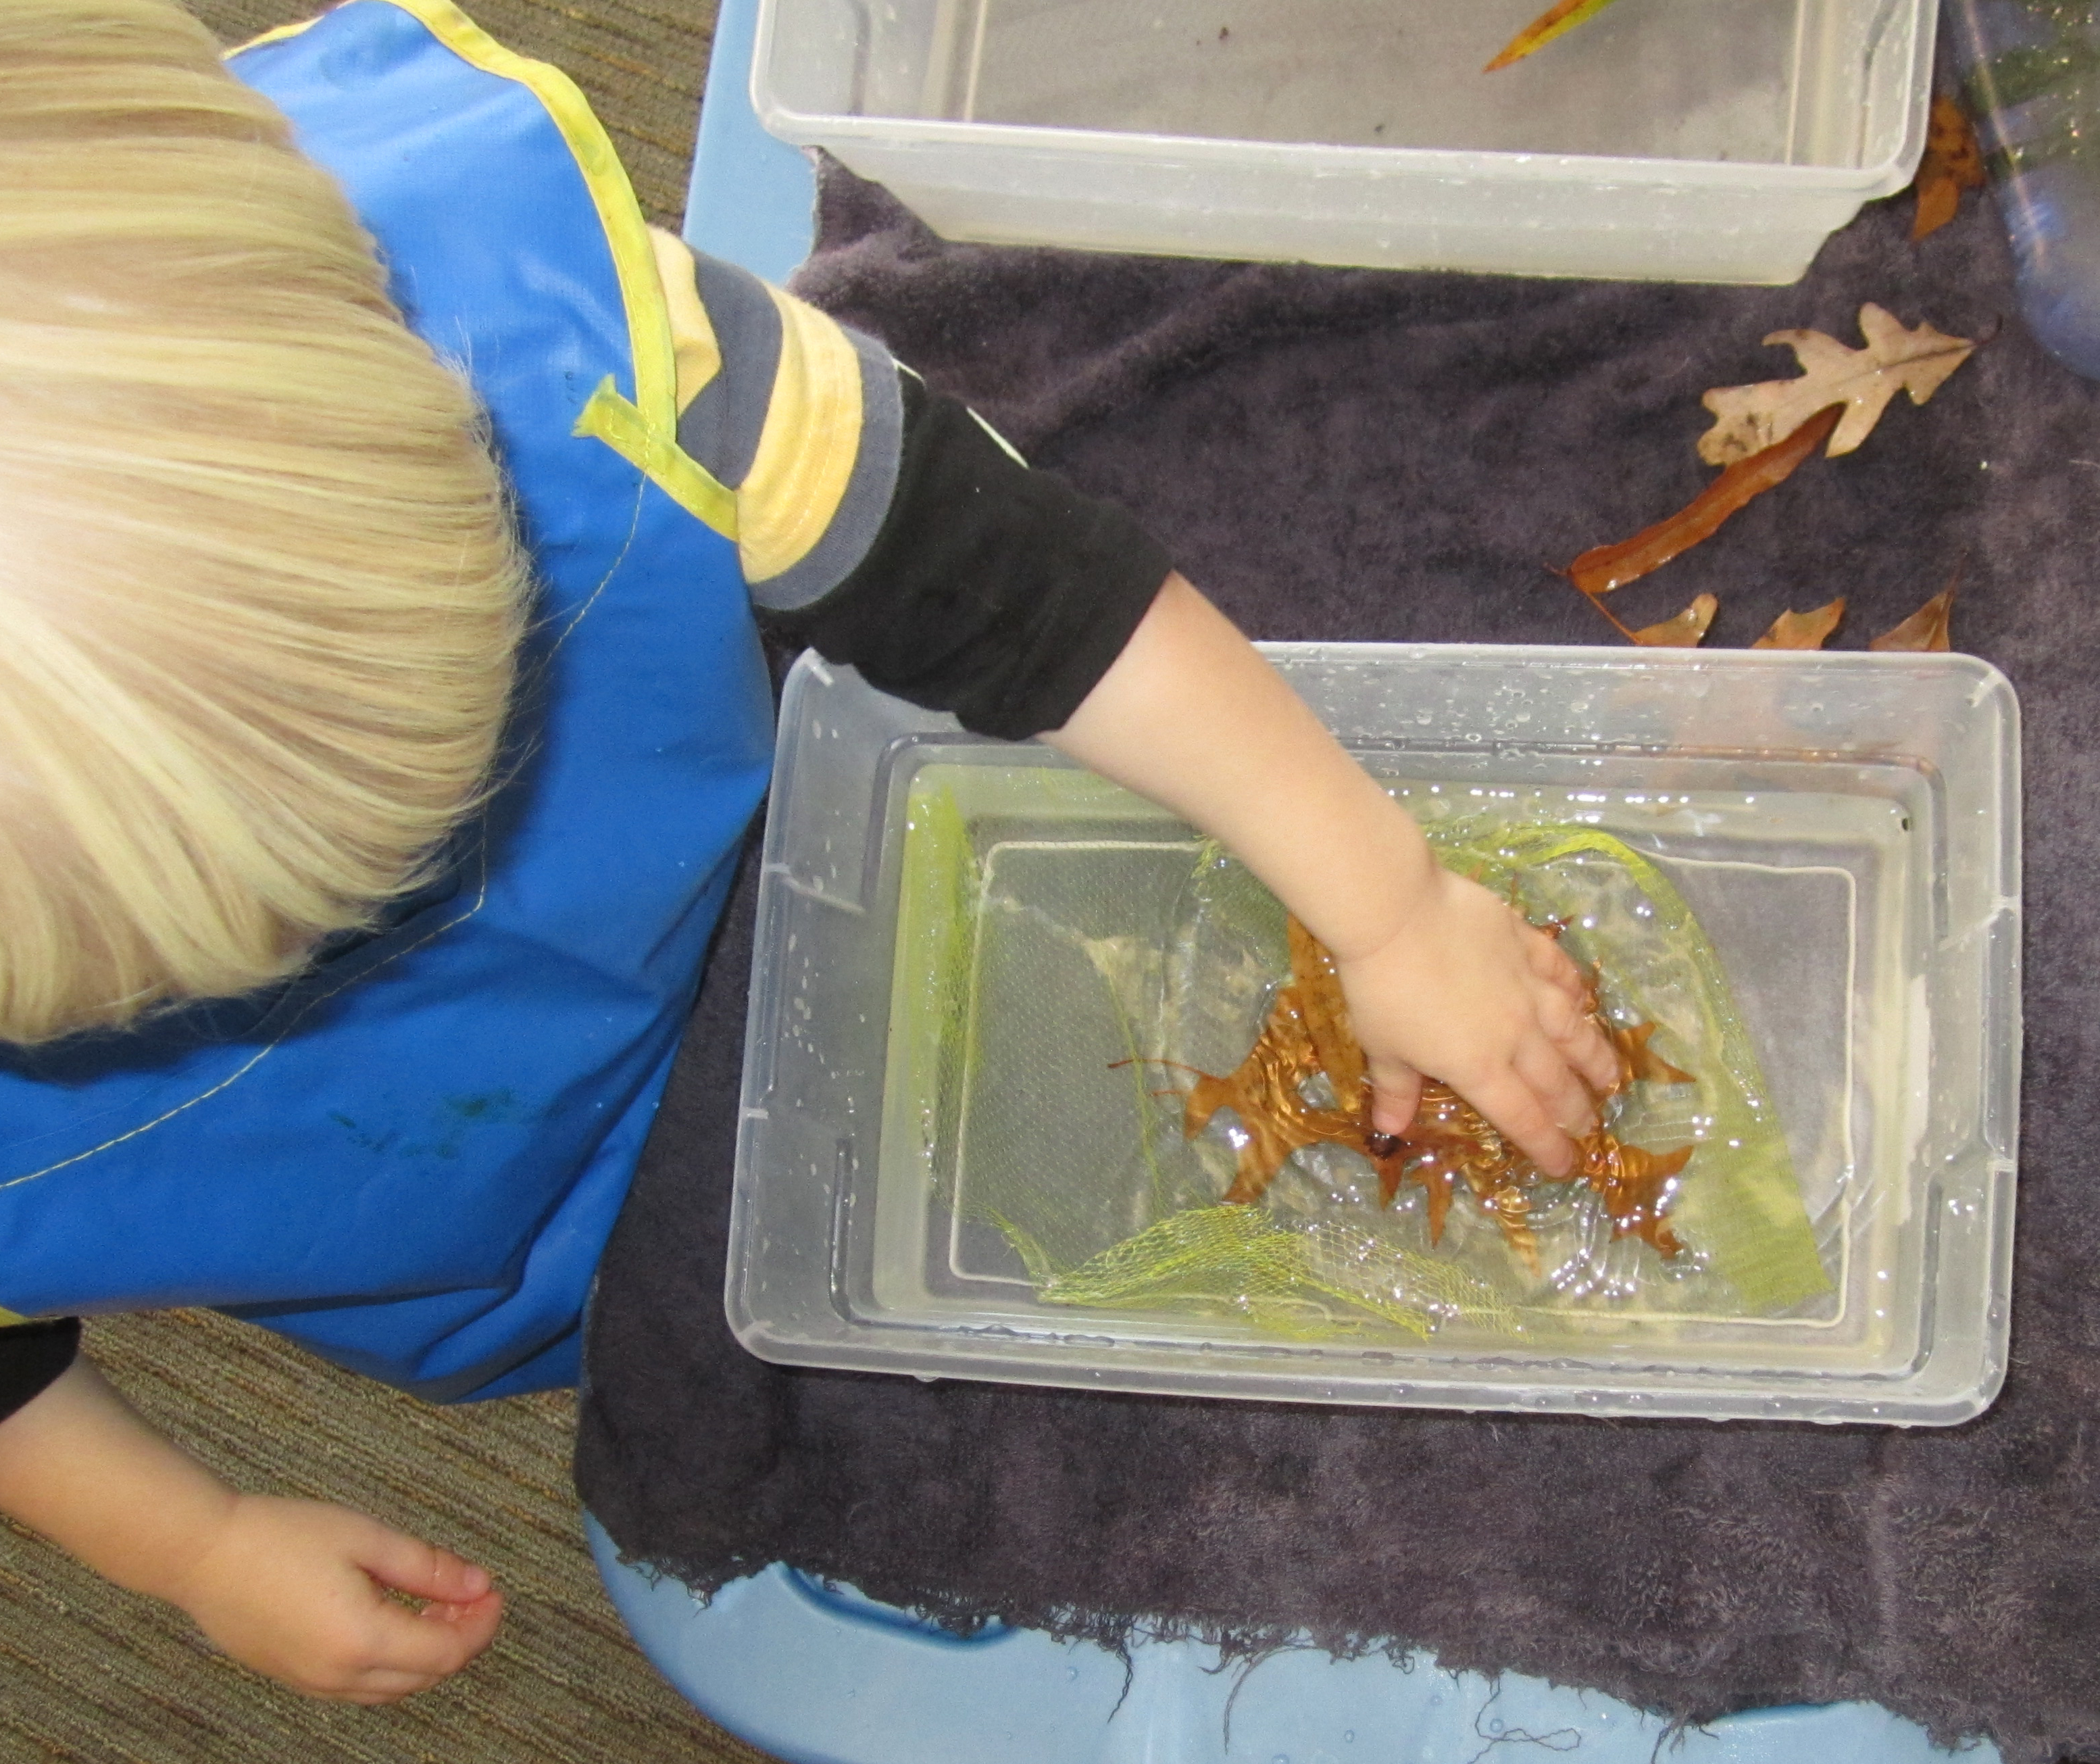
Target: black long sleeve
33,1356
990,590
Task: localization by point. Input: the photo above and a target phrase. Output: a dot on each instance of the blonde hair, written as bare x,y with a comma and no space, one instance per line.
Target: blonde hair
259,593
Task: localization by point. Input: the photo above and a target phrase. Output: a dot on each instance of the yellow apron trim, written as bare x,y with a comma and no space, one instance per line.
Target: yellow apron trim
276,36
696,355
611,419
10,1319
655,402
807,450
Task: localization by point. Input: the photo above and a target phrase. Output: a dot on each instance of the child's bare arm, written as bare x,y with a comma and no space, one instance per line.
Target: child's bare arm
1442,977
291,1588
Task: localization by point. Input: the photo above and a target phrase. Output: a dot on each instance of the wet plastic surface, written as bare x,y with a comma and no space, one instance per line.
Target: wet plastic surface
1845,825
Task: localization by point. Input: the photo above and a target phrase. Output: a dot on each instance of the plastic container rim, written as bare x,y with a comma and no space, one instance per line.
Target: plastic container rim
820,129
1029,1359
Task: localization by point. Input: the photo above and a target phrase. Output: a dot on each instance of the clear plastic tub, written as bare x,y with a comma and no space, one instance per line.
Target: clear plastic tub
1846,828
1688,140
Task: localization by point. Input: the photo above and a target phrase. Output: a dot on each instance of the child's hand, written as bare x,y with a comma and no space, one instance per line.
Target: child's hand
1468,992
1463,990
293,1589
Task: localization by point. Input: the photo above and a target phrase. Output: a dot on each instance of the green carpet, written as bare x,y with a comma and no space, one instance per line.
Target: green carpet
88,1673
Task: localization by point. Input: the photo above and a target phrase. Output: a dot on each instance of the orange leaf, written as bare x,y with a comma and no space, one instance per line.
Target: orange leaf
1639,1063
1803,631
1335,1049
1925,629
1307,1032
1635,1186
1687,630
1603,568
1266,1092
1954,162
1554,21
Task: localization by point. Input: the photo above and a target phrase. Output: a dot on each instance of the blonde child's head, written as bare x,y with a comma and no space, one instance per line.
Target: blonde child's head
258,590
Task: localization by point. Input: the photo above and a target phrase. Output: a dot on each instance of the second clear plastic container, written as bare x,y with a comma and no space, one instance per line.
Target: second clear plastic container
921,1097
1693,141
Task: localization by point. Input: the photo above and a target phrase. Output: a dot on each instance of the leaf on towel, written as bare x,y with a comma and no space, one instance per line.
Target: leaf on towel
1803,631
1554,21
1603,568
1749,419
1954,162
1686,630
1925,629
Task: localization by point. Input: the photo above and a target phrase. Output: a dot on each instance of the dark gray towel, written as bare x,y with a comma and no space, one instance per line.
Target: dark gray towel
1345,455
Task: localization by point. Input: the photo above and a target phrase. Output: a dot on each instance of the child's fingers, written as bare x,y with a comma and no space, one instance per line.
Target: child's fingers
473,1624
400,1677
421,1570
1396,1094
1553,964
377,1689
1565,1019
1557,1085
425,1647
1559,1015
460,1620
1582,1044
1517,1111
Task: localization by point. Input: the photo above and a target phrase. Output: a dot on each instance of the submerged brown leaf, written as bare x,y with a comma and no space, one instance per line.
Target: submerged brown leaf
1307,1033
1326,1012
1603,568
1748,419
1635,1185
1265,1093
1803,631
1686,630
1926,628
1954,162
1308,1017
1449,1141
1639,1063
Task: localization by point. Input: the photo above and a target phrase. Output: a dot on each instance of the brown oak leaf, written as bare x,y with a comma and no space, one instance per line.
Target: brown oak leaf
1635,1186
1748,419
1639,1063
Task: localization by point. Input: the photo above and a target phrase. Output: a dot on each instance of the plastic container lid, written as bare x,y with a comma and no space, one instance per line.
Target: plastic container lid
921,1093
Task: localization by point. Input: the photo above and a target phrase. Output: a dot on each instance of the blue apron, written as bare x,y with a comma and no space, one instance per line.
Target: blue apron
409,1158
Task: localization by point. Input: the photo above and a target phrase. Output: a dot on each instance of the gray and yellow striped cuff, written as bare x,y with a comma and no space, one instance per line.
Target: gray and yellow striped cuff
803,422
